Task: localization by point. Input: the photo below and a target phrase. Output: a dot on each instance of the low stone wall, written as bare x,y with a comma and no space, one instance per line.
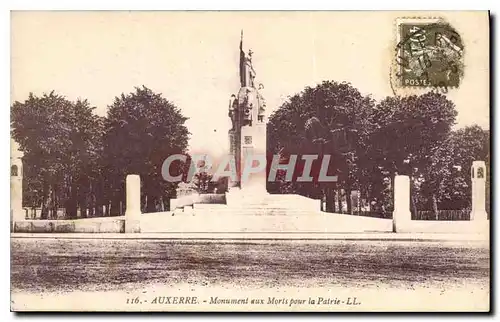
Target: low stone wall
442,226
88,225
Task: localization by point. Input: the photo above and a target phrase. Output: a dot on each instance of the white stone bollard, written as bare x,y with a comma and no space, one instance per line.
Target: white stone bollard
16,199
133,211
17,213
478,178
401,214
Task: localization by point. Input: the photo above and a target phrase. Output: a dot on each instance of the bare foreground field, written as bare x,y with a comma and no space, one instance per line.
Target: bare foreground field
55,270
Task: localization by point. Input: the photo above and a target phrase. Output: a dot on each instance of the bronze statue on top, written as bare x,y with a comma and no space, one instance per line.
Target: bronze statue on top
248,106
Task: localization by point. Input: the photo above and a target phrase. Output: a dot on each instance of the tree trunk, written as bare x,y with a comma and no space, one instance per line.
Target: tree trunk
435,206
114,206
162,204
166,202
45,202
348,201
98,197
328,199
333,194
98,209
414,206
71,204
53,204
99,200
91,202
339,200
151,204
82,201
413,202
360,201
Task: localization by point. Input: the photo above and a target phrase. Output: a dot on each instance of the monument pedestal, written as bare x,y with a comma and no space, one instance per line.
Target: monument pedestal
237,197
253,158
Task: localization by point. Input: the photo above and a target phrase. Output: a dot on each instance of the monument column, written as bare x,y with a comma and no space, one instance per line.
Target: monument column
478,178
248,134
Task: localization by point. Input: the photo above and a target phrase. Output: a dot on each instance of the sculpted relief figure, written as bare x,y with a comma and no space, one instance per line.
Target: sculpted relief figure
233,107
248,106
262,104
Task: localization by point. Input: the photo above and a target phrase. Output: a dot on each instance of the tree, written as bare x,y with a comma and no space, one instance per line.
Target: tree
452,162
59,139
408,131
203,182
331,118
85,175
141,130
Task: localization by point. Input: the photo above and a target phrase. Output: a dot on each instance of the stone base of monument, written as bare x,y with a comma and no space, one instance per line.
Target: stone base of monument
237,198
263,221
259,213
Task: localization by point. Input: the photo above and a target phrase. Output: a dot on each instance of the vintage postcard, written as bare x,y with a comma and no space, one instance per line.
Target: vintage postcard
250,161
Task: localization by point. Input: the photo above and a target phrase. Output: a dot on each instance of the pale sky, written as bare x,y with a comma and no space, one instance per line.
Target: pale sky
192,58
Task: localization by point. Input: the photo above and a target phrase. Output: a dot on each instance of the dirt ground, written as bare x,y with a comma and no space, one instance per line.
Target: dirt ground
44,265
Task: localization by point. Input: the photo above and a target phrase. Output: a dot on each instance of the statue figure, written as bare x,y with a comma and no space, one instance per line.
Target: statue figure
262,106
251,104
233,107
247,73
250,70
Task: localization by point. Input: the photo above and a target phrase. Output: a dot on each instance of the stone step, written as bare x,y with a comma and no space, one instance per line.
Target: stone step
209,206
272,206
248,204
250,212
256,207
317,222
245,206
248,207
